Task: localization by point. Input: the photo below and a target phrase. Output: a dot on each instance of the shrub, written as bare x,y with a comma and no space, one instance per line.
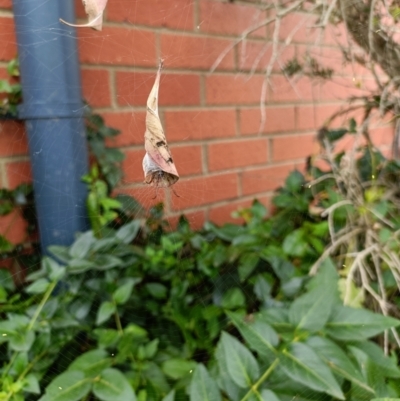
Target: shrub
220,314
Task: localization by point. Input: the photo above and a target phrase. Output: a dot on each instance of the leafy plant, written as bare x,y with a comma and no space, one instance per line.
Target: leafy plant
109,159
219,314
100,206
12,93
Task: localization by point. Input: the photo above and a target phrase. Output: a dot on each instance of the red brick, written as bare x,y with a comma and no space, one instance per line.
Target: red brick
121,46
257,55
181,51
177,14
343,88
196,219
316,116
278,119
229,19
230,89
299,27
225,155
13,139
79,9
146,195
297,91
133,89
188,159
96,87
293,147
223,214
264,179
381,136
199,124
131,124
5,4
13,227
17,173
132,166
8,41
336,35
204,190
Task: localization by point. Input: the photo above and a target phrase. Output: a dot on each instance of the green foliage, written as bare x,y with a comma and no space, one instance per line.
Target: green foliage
12,93
102,209
145,314
108,158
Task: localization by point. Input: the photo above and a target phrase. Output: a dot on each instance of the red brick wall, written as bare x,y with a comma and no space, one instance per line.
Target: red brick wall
211,120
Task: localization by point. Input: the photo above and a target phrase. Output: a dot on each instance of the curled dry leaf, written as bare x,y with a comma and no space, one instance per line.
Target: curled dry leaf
94,9
158,165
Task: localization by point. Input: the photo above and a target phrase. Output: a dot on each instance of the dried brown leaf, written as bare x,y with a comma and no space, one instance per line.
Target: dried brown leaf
94,10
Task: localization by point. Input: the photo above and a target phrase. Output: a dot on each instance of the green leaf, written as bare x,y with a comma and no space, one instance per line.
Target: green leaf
157,290
128,232
294,181
260,336
151,348
22,341
106,262
110,203
233,299
177,368
247,263
77,266
348,324
60,252
91,362
335,134
38,286
20,363
69,386
6,279
311,311
112,385
5,245
54,270
31,384
122,294
105,311
302,365
5,86
295,244
242,366
156,377
338,361
203,387
355,295
352,126
386,365
106,337
268,395
262,287
224,380
81,246
170,396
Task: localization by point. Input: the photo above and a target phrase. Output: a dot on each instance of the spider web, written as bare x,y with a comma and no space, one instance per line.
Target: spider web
117,80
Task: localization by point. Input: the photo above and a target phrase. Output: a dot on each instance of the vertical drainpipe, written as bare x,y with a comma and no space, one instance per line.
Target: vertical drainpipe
53,112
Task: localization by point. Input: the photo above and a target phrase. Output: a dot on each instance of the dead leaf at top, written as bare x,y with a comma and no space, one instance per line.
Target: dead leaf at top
94,10
158,165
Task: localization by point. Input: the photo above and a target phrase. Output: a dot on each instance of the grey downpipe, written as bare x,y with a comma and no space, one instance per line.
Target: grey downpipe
53,112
